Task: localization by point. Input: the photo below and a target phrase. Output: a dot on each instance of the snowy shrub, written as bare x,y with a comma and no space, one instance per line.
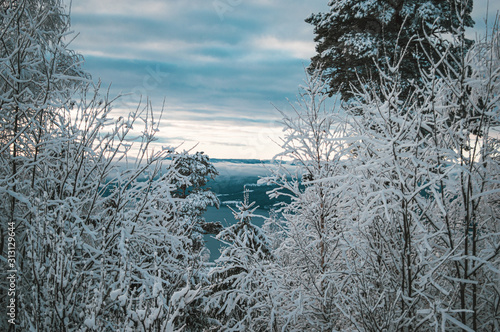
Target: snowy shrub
104,241
393,223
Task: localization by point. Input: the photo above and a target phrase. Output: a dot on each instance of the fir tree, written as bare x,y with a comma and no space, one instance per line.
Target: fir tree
237,282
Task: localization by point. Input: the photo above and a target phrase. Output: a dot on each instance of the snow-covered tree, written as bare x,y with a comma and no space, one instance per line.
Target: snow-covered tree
102,239
194,171
107,243
466,145
238,296
38,74
411,213
422,177
355,38
308,254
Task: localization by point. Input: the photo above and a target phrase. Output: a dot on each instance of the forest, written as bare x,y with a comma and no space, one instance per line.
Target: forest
389,219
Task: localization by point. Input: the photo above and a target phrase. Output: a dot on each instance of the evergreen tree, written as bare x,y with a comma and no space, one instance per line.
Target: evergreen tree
237,292
196,171
357,39
193,173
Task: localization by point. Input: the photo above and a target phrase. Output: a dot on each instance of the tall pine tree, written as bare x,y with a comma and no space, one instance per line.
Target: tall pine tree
356,39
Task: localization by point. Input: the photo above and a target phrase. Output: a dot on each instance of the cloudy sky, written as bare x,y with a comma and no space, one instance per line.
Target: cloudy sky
220,65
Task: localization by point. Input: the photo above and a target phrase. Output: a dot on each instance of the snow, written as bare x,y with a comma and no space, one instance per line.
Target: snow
90,323
114,294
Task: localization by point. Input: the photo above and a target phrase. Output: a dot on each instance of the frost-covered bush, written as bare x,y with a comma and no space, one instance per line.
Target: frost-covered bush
107,242
393,223
307,255
103,239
